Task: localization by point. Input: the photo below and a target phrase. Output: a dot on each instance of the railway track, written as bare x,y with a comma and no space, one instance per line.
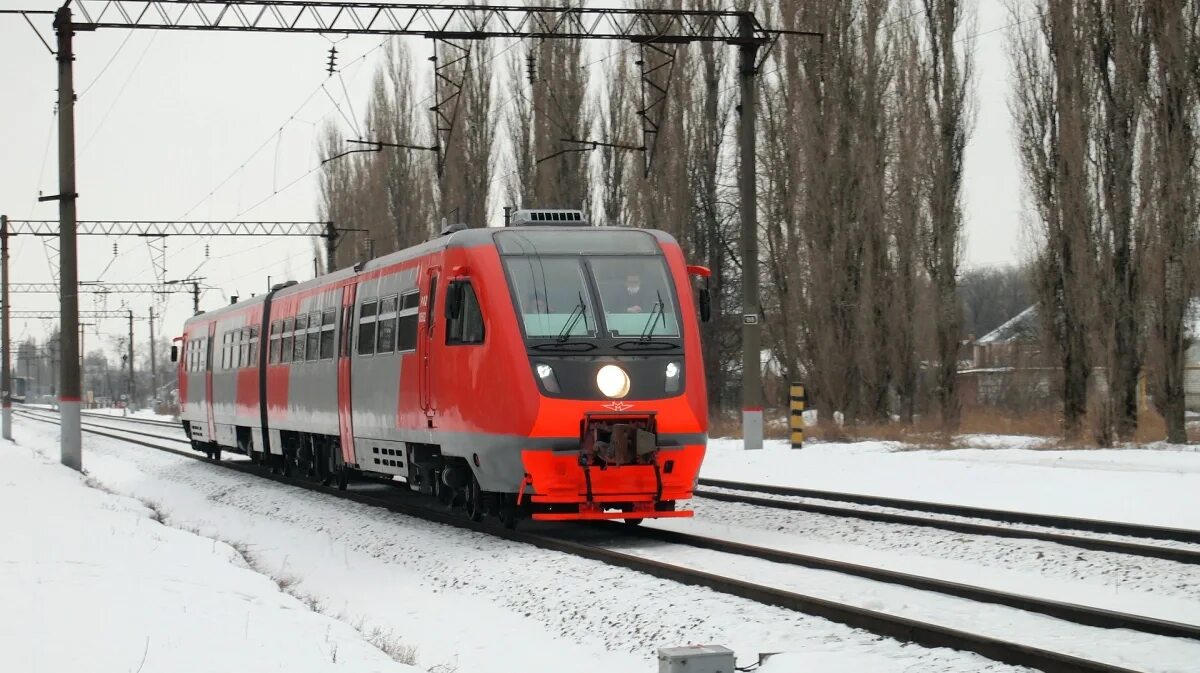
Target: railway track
901,628
739,492
728,494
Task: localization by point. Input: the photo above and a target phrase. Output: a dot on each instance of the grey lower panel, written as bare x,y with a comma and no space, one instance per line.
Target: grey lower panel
381,456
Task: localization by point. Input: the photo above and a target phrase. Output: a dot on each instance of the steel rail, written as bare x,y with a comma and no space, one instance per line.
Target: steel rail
1189,556
1009,516
883,624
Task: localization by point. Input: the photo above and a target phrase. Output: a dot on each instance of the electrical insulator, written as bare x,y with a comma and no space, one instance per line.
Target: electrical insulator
205,251
332,60
531,68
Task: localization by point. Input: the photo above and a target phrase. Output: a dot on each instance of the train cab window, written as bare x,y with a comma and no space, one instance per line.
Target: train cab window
328,317
276,328
467,327
385,326
285,352
406,323
366,327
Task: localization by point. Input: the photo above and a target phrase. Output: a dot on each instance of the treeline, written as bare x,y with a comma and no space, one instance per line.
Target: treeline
861,140
862,135
1105,103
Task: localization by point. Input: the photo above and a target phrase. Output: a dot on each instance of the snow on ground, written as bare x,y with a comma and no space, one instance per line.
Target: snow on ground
1123,648
472,602
130,413
92,582
1156,487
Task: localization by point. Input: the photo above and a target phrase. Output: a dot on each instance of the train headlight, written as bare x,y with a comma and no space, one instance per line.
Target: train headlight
612,381
546,374
673,372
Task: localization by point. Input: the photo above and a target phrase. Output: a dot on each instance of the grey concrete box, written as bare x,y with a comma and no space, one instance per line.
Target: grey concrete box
695,659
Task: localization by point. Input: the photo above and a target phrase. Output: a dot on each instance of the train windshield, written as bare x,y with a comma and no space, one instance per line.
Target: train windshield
573,286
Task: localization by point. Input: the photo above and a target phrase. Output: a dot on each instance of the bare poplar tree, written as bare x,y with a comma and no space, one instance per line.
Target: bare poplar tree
949,72
558,105
1173,219
1120,54
1052,94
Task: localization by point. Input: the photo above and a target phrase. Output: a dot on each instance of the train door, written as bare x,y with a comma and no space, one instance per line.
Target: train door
208,380
426,343
345,409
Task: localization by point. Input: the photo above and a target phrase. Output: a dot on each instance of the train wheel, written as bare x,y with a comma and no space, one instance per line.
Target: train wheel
474,504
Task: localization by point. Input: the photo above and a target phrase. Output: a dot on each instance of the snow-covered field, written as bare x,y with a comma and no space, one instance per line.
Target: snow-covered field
464,601
1156,487
91,581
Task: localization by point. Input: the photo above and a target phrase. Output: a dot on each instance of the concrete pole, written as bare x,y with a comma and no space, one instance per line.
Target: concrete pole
752,412
132,387
68,282
153,360
5,371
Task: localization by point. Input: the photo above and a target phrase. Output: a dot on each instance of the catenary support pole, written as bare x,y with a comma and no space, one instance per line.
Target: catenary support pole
331,237
5,371
132,387
195,298
69,389
153,361
752,413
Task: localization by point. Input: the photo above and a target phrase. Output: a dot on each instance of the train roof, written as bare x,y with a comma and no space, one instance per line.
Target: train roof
460,238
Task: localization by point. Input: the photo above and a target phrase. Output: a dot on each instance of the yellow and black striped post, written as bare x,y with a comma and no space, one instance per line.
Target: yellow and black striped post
798,402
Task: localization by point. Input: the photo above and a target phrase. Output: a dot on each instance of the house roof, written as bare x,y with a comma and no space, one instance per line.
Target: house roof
1022,327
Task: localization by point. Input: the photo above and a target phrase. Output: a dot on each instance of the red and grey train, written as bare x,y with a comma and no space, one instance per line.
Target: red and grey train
548,369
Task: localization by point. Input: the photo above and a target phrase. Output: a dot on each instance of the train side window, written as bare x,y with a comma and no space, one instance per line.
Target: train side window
244,349
208,354
301,327
366,327
285,353
275,338
347,323
226,338
433,281
406,324
252,351
313,348
328,317
467,328
385,326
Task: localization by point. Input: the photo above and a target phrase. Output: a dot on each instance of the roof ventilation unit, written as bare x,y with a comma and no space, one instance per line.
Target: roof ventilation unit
448,229
549,218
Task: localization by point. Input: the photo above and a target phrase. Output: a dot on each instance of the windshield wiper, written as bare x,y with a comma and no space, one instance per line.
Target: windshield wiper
570,347
572,320
646,346
657,313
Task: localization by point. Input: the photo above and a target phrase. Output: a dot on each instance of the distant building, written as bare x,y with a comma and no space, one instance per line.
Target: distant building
1010,367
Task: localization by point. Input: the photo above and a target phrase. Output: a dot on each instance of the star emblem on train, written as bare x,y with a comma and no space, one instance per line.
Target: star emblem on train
618,406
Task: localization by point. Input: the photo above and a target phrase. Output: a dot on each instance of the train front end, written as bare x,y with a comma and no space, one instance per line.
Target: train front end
610,327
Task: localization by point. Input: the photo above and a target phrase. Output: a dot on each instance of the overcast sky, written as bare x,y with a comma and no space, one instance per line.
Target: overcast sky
212,126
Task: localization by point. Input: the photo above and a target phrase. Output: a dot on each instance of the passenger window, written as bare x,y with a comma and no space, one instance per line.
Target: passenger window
385,326
327,320
366,327
314,337
406,324
244,349
252,353
285,353
467,328
275,338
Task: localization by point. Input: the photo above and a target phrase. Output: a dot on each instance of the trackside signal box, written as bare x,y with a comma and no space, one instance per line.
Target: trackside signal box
695,659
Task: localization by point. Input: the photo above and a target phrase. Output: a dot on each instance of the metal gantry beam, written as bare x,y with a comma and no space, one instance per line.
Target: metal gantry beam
98,287
423,20
167,228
